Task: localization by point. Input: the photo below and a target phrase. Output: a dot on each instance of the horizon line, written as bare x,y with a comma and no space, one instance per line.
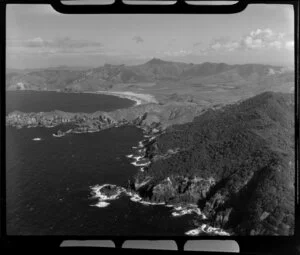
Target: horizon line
146,61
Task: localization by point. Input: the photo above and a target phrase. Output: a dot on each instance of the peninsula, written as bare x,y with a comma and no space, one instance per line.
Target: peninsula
214,147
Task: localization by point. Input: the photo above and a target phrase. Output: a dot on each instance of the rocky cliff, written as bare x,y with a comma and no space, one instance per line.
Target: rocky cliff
236,163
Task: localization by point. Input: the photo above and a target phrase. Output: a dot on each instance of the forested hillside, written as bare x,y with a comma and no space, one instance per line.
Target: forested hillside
248,150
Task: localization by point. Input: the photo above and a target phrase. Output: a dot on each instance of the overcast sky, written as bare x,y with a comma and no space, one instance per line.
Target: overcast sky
38,36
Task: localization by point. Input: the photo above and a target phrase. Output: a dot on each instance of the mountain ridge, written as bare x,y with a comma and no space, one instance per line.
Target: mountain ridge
155,70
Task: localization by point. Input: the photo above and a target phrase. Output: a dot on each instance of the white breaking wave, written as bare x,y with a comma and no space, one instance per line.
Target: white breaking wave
142,150
204,228
101,204
152,138
97,193
136,198
102,198
185,210
193,232
37,139
151,203
137,158
140,164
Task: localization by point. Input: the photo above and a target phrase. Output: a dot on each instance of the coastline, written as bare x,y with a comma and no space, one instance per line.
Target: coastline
137,97
141,162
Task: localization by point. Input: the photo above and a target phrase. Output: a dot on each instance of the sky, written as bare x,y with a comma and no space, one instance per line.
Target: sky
39,37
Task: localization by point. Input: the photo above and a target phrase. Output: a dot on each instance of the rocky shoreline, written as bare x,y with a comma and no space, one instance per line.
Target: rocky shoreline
184,191
229,142
151,117
179,192
219,197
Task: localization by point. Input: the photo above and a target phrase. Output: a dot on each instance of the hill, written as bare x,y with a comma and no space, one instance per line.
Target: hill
236,163
152,75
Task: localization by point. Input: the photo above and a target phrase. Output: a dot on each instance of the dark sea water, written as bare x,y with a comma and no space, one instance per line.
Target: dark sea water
37,101
49,183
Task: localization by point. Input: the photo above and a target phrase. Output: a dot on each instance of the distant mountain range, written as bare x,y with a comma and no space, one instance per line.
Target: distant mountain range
154,71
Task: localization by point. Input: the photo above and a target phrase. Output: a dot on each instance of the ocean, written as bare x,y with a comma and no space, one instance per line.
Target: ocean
41,101
50,180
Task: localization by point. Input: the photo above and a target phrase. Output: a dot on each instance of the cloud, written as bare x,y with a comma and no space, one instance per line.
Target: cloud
262,38
179,53
289,45
138,39
223,43
64,42
58,45
255,40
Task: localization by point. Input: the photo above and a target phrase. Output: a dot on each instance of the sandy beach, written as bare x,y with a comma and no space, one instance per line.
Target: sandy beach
137,97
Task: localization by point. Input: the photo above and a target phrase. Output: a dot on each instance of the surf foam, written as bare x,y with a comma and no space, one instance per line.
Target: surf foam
136,198
185,210
101,204
204,228
97,193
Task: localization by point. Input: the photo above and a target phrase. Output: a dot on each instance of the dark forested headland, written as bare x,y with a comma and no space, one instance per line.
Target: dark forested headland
236,163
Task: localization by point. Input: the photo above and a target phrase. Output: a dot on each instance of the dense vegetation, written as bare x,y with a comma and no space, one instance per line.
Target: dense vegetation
248,148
